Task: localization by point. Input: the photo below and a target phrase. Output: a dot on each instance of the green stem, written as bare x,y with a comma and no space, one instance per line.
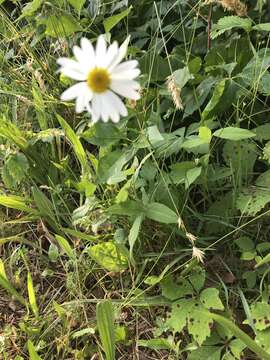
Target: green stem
250,343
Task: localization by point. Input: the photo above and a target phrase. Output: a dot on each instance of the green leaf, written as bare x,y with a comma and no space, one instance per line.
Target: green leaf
210,299
206,353
62,25
31,294
83,332
262,27
182,76
175,288
6,284
215,99
234,133
77,4
33,355
244,243
110,256
192,175
105,325
260,313
264,261
110,22
64,244
177,318
156,344
16,202
252,200
31,7
78,148
230,22
134,233
161,213
199,324
15,170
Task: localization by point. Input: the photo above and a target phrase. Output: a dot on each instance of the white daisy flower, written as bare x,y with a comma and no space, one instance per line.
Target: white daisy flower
101,79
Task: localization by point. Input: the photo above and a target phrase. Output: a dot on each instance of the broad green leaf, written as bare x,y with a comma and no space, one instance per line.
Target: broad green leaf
62,25
31,294
105,325
110,22
161,213
244,243
78,148
182,76
127,208
110,256
215,99
177,318
210,299
230,22
64,244
260,313
33,355
234,133
174,289
205,133
192,175
263,339
77,4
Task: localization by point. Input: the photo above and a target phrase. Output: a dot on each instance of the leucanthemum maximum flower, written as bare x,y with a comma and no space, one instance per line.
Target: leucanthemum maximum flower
102,79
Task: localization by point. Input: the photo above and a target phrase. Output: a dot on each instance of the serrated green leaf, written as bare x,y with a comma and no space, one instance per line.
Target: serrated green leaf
110,22
210,299
234,133
230,22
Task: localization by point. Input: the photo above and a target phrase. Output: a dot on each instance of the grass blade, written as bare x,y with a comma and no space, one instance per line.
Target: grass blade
31,295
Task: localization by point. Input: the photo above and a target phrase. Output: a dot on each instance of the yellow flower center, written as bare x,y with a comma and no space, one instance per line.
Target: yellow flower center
98,80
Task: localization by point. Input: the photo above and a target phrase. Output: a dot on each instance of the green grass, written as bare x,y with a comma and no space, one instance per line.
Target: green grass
100,224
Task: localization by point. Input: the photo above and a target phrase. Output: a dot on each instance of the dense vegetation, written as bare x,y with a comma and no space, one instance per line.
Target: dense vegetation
145,239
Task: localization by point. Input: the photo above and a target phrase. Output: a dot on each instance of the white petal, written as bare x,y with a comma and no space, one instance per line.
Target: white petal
74,91
71,64
82,101
125,75
100,51
96,108
73,74
126,65
121,53
111,54
116,103
126,88
87,48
